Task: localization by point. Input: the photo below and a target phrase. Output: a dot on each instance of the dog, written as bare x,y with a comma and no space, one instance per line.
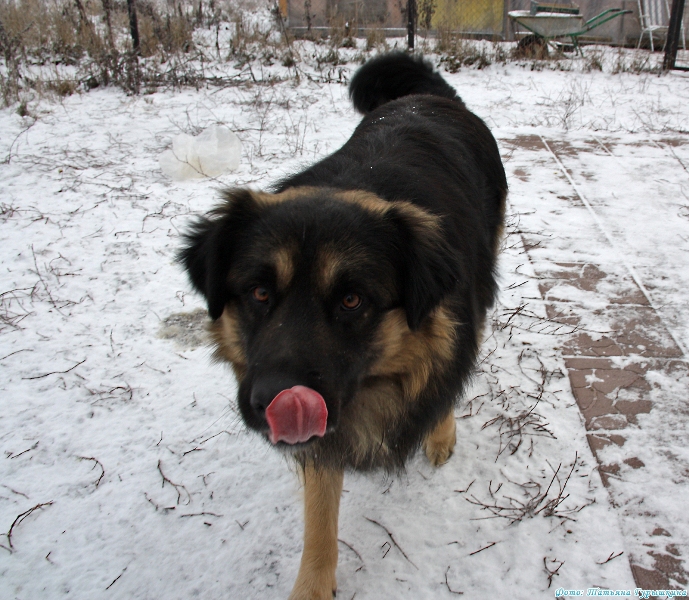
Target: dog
350,299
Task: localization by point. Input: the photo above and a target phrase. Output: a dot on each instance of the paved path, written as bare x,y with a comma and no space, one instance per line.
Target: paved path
588,227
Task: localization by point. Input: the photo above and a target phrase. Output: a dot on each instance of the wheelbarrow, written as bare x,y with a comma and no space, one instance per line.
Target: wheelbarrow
548,21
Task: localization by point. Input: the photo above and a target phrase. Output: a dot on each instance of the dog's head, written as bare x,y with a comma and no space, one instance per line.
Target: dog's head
311,292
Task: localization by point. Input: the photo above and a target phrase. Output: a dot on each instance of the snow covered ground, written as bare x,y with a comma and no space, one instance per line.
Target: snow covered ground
125,469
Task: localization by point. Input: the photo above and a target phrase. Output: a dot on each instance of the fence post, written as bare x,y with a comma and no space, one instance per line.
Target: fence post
411,23
133,25
673,32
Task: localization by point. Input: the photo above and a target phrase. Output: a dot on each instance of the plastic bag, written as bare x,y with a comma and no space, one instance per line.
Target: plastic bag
214,151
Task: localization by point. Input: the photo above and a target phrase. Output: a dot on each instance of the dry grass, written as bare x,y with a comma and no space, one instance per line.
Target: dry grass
533,501
57,47
458,52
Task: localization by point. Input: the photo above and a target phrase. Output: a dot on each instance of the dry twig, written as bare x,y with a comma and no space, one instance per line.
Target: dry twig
178,486
116,578
537,503
552,572
56,372
392,539
612,556
19,519
353,550
482,549
97,464
447,583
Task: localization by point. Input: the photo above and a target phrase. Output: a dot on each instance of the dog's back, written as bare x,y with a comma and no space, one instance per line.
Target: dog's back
419,143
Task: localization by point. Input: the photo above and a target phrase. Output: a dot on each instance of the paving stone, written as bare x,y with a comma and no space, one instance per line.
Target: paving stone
650,579
615,331
634,462
597,386
660,531
668,572
620,355
580,282
608,422
598,441
525,142
606,471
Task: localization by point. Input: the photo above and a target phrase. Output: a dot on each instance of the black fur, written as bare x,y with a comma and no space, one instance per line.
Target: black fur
391,76
210,244
417,143
429,150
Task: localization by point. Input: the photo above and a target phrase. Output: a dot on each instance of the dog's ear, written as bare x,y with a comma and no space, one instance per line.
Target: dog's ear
430,268
210,244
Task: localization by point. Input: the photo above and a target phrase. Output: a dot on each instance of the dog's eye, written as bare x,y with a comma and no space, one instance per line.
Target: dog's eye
260,294
351,301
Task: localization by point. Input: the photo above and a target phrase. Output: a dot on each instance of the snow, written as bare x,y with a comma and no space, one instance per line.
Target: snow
115,418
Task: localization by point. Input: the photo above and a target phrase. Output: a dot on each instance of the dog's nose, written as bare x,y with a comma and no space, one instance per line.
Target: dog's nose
266,388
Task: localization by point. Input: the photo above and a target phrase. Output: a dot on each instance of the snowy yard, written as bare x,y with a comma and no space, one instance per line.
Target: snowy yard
126,471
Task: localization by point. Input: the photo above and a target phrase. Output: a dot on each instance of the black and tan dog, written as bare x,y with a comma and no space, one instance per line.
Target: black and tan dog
350,300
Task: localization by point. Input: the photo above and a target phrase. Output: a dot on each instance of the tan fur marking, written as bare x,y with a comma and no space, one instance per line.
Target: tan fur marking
322,491
440,443
414,355
366,200
426,223
499,234
284,267
225,334
378,405
406,362
329,264
421,218
293,193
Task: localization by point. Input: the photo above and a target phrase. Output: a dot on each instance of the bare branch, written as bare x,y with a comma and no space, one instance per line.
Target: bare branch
56,372
612,556
447,583
178,486
552,572
116,578
20,518
482,549
98,464
392,539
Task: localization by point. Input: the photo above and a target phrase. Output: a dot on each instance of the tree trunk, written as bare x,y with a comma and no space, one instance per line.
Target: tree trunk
133,26
107,9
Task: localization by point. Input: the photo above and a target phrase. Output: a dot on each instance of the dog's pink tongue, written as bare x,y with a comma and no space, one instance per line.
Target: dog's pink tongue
296,415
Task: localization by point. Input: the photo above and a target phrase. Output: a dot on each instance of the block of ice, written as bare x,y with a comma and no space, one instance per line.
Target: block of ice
214,151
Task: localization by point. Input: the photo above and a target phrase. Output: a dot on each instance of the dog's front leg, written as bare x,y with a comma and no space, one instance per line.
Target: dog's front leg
322,491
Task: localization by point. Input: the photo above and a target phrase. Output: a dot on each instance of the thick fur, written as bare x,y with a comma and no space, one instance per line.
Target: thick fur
404,75
404,219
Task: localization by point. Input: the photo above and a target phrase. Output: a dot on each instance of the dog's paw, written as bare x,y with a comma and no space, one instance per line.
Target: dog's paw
438,454
313,590
440,443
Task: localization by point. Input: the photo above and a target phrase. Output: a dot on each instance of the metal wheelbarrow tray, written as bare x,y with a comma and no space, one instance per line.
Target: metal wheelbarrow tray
550,25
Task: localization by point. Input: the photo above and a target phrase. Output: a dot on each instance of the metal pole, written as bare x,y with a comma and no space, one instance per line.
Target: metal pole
411,23
673,32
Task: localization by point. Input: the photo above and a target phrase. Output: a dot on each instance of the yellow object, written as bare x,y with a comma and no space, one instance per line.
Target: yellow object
469,15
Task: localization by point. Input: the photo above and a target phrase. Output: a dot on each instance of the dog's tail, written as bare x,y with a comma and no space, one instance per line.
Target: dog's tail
393,75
